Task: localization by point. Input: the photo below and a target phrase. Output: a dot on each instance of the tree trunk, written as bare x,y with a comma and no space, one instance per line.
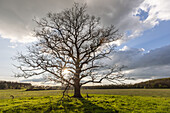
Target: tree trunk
77,93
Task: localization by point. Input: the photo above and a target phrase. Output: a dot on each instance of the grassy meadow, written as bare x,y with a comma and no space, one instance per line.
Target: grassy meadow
100,101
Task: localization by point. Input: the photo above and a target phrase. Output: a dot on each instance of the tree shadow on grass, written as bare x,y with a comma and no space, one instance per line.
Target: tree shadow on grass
84,106
89,107
67,105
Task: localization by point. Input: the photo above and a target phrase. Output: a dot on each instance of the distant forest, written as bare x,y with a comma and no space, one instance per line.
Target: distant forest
14,85
157,83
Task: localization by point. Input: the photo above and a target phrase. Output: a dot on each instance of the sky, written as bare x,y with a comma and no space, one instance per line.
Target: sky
145,25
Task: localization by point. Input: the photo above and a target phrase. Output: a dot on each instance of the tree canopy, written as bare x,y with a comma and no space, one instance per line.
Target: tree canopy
69,49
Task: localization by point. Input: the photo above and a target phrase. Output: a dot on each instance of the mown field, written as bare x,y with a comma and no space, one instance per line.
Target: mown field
100,101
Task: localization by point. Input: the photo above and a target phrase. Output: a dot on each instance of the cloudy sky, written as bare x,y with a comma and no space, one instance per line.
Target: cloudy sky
145,48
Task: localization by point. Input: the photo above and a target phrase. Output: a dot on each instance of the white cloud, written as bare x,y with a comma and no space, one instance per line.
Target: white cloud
158,10
125,48
13,46
141,49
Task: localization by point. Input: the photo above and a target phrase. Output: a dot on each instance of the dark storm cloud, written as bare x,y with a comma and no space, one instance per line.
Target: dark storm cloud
157,57
16,15
152,72
117,12
155,63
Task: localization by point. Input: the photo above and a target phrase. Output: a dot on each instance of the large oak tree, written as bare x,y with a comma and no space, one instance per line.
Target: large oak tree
71,49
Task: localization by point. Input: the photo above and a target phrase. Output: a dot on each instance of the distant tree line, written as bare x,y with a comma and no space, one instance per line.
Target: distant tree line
14,85
157,83
37,88
27,86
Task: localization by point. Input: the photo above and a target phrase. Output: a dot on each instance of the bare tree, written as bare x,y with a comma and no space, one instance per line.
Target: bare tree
69,49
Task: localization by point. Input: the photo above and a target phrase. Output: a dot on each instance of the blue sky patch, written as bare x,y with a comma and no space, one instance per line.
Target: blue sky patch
142,14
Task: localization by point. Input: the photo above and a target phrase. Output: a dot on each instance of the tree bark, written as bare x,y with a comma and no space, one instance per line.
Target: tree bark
77,88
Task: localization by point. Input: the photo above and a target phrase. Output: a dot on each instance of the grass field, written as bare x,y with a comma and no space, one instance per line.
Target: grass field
100,101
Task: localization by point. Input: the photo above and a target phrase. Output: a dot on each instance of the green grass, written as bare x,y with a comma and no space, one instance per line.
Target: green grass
117,100
131,92
5,94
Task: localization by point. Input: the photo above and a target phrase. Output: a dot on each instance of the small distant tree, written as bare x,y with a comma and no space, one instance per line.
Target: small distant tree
70,48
